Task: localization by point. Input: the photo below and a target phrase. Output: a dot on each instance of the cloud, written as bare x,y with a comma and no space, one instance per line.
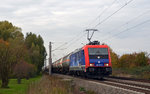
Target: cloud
26,11
64,20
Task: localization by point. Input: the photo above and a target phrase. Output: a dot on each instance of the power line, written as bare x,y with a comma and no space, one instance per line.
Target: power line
113,13
75,42
59,46
102,13
128,29
66,43
70,44
81,35
54,57
129,21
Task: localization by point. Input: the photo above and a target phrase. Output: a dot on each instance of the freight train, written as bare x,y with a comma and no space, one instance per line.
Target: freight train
91,60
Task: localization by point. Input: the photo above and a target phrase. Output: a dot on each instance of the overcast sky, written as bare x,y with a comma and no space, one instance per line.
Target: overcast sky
64,22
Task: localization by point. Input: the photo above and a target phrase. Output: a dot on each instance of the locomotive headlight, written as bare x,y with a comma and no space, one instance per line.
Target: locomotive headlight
91,65
106,64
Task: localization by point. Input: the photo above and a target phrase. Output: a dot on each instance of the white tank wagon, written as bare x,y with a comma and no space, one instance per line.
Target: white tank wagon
61,65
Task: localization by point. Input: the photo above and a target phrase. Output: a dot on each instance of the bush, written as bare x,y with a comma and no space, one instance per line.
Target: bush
23,70
138,72
133,60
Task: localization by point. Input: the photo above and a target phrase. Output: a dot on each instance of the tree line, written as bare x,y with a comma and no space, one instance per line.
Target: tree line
129,61
21,57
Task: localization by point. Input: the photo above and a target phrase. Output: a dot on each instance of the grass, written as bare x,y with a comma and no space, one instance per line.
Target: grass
84,91
44,85
50,85
56,85
15,88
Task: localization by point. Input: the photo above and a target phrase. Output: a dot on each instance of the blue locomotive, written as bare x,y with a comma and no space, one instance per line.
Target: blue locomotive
90,60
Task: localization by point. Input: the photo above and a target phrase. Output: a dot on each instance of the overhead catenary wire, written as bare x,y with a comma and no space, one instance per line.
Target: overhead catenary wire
75,44
127,30
66,43
70,44
112,14
98,17
54,56
76,40
59,46
129,21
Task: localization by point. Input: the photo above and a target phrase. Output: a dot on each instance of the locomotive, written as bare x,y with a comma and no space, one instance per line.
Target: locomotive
92,60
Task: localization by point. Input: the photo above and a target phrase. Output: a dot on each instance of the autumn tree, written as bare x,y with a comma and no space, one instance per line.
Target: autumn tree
15,49
141,59
114,58
133,60
149,61
8,31
11,49
5,64
23,70
9,56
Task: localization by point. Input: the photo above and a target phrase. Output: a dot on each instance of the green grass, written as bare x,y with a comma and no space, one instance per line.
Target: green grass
82,89
15,88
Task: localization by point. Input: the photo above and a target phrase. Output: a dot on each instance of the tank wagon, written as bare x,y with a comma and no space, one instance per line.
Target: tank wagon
90,60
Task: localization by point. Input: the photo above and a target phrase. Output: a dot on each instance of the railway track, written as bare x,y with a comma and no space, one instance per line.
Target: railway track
129,79
140,86
137,86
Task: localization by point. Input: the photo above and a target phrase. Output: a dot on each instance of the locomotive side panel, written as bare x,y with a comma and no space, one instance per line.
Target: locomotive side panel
77,61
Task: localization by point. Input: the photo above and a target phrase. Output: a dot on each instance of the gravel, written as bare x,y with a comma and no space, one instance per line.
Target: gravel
99,88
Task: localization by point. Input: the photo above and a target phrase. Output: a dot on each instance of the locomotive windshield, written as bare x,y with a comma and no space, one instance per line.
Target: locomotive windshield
96,53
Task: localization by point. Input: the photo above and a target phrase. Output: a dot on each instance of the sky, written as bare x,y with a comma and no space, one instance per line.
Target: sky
122,24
